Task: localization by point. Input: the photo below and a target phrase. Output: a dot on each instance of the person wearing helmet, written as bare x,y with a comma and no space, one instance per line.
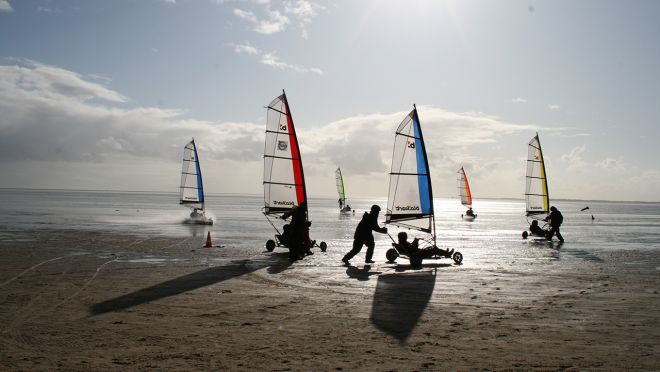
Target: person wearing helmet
363,235
556,219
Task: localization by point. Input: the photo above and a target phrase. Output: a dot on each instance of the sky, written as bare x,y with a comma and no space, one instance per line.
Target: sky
103,95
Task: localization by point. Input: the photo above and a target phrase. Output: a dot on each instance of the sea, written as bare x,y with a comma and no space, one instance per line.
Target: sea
239,225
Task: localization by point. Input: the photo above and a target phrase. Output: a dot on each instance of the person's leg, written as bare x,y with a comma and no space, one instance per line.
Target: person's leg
357,247
561,238
370,251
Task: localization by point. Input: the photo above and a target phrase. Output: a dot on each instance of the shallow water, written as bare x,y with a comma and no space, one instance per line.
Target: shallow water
491,239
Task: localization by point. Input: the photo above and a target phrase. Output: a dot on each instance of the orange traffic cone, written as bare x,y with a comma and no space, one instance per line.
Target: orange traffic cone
208,241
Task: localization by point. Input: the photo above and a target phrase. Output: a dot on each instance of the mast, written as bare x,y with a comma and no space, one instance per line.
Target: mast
428,170
298,172
200,185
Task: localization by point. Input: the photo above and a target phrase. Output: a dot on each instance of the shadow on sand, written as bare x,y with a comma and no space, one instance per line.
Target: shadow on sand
400,301
362,274
186,283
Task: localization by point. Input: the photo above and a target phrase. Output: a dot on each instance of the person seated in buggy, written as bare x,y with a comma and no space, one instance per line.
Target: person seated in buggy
413,250
469,213
537,230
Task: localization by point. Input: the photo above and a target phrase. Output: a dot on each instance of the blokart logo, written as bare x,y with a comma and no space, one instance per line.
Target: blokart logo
277,202
407,208
411,144
282,145
283,127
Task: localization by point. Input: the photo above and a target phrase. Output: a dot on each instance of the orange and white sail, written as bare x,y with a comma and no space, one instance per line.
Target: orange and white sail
464,189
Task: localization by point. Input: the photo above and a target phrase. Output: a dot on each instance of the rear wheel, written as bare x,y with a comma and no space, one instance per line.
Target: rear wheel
323,246
458,257
270,245
391,255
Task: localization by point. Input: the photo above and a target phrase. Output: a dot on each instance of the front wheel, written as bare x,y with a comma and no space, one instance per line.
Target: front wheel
458,258
525,234
323,246
391,255
270,245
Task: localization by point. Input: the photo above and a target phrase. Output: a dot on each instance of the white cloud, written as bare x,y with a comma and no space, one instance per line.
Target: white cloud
245,48
574,157
518,100
303,11
5,6
612,164
271,59
553,107
276,21
51,114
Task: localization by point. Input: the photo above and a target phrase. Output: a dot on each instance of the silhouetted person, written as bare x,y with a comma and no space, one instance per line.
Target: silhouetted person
412,248
555,217
363,235
469,212
537,230
297,226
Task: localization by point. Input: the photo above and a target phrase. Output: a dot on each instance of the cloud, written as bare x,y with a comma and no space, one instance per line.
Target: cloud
449,138
246,48
612,164
52,114
271,59
574,157
518,100
276,21
553,107
5,6
303,11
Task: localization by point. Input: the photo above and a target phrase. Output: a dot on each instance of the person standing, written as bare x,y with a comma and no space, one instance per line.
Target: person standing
363,235
556,219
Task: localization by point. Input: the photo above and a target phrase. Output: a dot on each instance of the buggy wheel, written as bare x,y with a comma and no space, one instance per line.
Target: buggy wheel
270,245
525,234
323,246
391,255
458,257
416,262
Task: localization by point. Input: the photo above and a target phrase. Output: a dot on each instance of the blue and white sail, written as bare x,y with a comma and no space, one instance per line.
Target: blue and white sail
410,197
192,188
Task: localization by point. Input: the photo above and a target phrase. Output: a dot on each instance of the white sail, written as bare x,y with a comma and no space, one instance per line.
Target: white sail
191,189
340,188
410,197
536,188
284,181
464,189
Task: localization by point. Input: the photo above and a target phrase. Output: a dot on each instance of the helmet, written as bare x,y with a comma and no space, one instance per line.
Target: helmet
375,208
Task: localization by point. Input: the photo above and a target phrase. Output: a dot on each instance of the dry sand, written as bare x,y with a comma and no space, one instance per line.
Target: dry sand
73,301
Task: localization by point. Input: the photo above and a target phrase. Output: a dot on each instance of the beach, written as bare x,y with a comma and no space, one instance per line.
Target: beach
81,300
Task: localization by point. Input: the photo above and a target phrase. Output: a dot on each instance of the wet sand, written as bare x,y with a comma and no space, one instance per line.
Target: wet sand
94,301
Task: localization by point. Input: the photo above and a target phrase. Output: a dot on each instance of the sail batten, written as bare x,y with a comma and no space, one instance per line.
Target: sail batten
283,178
537,200
410,197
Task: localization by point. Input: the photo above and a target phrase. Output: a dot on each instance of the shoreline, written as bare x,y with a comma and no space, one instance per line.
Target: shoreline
108,302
